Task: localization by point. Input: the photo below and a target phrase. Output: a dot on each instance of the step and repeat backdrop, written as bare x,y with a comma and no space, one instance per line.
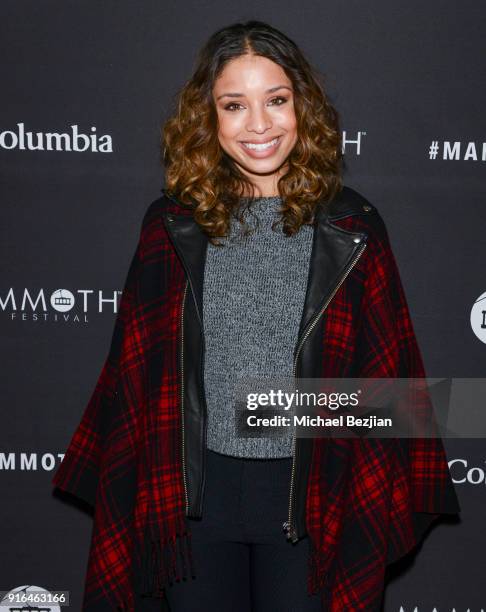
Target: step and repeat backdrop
85,89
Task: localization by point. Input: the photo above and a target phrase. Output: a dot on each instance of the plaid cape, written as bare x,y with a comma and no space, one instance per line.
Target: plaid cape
369,501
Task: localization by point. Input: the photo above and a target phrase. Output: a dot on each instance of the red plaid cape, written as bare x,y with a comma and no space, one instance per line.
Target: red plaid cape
369,501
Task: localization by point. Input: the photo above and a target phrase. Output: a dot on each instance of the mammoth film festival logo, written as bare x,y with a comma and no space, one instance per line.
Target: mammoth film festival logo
478,317
60,304
62,300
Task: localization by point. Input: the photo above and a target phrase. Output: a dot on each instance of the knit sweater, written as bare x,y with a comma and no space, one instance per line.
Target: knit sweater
253,296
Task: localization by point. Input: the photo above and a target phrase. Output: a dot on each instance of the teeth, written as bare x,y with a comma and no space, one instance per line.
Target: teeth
261,147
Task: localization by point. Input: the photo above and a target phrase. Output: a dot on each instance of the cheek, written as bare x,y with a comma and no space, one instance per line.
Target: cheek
228,127
289,120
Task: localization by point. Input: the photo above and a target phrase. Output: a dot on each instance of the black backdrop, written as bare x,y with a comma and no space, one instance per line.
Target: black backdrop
408,81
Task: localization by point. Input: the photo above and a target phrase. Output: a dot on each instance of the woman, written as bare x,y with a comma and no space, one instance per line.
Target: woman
256,261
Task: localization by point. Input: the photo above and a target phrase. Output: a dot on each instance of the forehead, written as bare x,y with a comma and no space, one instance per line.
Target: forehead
250,73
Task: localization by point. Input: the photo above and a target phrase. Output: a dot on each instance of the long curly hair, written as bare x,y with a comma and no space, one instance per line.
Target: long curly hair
200,174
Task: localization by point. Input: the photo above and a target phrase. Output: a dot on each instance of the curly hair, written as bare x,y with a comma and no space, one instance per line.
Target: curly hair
200,174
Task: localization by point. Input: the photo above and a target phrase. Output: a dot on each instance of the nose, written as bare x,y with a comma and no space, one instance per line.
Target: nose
258,120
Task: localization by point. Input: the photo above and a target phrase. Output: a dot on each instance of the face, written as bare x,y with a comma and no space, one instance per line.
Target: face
257,126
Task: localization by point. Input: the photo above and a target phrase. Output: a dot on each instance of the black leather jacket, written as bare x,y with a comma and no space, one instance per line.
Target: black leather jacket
334,253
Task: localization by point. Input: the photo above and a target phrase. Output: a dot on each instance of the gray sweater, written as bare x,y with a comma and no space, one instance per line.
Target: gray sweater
254,290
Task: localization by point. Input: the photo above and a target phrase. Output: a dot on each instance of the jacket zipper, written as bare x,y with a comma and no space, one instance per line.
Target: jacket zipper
183,441
288,526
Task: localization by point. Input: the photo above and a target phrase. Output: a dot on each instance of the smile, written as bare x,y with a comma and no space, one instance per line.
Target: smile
261,147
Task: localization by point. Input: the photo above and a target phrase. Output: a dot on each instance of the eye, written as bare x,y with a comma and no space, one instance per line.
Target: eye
280,98
231,106
228,106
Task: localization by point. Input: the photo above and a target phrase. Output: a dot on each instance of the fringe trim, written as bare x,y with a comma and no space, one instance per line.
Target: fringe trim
165,561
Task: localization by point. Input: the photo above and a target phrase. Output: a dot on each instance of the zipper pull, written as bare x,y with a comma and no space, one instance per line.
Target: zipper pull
290,532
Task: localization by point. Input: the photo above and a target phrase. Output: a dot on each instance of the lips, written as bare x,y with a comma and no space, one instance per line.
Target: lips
261,146
259,141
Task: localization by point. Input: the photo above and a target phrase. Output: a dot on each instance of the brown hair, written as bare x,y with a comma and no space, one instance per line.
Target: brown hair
200,174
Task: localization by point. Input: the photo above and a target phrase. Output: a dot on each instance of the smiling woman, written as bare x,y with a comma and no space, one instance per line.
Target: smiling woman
187,510
253,121
257,126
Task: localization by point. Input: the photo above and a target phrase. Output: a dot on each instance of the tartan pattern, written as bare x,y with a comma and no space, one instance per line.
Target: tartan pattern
368,501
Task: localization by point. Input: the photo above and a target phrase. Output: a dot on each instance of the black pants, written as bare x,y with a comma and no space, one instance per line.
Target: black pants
243,561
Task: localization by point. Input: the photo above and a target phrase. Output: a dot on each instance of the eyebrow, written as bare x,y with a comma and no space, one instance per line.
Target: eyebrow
240,95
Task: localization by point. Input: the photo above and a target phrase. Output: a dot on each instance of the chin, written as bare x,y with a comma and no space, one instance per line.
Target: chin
265,166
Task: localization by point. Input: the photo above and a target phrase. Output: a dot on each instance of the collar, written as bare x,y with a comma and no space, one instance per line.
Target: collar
334,249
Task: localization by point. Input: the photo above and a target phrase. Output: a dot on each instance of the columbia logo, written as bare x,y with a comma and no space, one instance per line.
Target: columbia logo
69,140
